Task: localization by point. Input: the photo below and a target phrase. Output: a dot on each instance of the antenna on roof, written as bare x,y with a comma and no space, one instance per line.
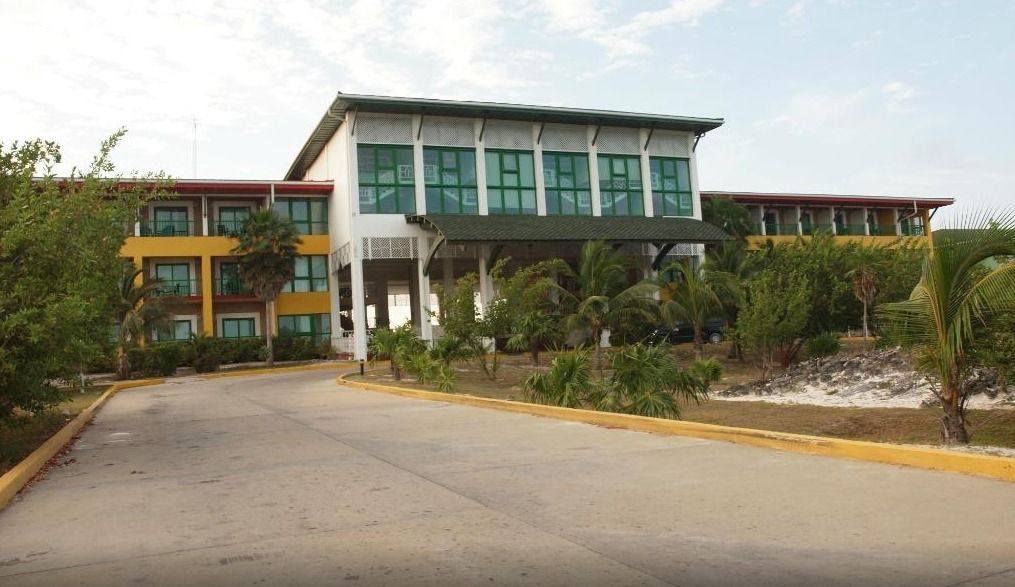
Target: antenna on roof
194,148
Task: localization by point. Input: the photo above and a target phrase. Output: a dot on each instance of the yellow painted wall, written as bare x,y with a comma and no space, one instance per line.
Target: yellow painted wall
318,302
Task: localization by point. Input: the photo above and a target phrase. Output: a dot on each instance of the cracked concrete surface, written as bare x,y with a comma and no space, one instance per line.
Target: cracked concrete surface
290,480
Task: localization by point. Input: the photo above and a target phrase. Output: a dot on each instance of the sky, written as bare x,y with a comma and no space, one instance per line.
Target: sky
902,97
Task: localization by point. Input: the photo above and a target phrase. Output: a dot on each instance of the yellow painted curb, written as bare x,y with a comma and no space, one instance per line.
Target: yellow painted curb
276,370
923,458
15,479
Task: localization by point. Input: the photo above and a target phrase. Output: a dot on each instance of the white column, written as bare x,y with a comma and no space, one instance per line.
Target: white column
646,174
866,225
764,230
204,215
693,164
597,204
799,225
425,328
831,219
484,207
485,285
417,164
359,307
335,301
537,159
137,228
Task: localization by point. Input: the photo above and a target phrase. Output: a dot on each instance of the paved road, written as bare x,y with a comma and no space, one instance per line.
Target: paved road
289,479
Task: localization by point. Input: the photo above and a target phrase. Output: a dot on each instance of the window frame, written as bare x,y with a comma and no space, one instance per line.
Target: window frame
245,320
441,186
311,222
317,333
398,185
170,286
311,278
660,203
159,335
556,191
502,186
607,185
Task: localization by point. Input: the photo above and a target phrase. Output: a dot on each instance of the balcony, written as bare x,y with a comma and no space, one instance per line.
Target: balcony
230,228
232,286
177,288
817,229
851,229
913,230
782,229
168,228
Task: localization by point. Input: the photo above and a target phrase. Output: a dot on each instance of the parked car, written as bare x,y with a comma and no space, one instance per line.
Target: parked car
712,331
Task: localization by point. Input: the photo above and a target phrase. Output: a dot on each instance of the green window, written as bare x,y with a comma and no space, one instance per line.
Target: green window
671,186
568,190
510,182
450,176
177,330
386,180
238,328
309,214
229,282
175,279
171,222
315,326
230,220
311,274
620,185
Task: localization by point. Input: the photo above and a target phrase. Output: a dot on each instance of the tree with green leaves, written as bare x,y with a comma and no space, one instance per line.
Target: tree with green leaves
693,295
137,310
774,318
603,296
864,277
732,217
60,241
267,251
732,260
962,287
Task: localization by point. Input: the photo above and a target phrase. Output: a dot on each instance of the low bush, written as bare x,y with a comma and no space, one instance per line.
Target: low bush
242,350
299,348
207,353
160,359
823,345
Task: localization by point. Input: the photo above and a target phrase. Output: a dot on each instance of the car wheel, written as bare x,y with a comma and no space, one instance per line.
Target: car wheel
715,338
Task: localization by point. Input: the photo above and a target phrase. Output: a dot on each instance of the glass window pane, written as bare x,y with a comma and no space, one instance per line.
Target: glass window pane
618,166
657,204
385,158
686,206
433,200
468,167
302,267
581,172
300,210
494,200
182,330
633,168
301,285
449,177
286,323
386,176
669,167
636,204
387,201
669,183
406,200
529,201
567,203
683,176
526,170
671,204
319,266
470,201
604,169
510,180
365,164
404,156
450,197
493,169
566,164
449,160
512,200
368,199
552,203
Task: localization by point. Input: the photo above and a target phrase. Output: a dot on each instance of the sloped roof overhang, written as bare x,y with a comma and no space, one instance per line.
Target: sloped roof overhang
664,232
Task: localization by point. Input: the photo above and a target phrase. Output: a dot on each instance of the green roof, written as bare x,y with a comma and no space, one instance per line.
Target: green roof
335,116
462,228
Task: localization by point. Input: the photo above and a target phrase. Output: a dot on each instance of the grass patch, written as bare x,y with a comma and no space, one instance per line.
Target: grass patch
895,425
25,433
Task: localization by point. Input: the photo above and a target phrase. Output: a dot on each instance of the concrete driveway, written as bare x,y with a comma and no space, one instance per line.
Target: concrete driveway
290,480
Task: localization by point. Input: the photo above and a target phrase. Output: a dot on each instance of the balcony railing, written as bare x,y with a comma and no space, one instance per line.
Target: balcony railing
177,288
316,227
816,228
231,286
913,231
782,229
228,227
851,229
883,230
168,228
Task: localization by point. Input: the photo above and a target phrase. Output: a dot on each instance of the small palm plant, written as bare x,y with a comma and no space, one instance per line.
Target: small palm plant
694,297
137,309
864,277
648,382
533,330
267,254
568,383
396,345
603,297
968,280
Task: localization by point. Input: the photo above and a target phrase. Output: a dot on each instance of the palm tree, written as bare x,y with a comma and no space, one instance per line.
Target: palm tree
267,255
646,381
137,309
602,296
532,330
957,293
731,259
732,217
568,383
864,276
694,297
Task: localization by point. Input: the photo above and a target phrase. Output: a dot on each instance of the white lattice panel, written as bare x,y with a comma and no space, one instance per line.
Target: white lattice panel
446,132
395,247
668,145
505,135
341,257
618,140
384,130
565,138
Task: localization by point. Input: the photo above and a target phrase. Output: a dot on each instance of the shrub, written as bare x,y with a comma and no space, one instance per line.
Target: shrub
160,359
207,353
568,383
298,348
823,345
242,350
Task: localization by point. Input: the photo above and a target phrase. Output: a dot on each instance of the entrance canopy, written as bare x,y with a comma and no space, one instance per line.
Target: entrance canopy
664,233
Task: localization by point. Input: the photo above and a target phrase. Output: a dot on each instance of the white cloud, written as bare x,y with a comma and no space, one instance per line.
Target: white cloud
623,40
819,112
899,94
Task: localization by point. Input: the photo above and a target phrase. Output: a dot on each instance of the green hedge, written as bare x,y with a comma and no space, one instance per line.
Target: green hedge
206,353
